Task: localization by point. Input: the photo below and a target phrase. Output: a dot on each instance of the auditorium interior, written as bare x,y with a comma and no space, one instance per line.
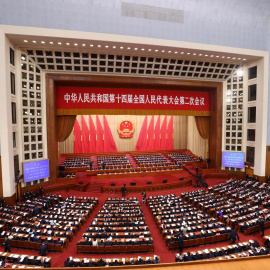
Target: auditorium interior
135,134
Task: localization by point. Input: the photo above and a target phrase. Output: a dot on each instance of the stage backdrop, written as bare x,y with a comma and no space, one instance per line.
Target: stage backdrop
185,133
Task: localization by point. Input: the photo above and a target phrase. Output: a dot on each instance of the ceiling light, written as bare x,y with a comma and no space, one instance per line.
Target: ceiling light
169,51
223,56
43,42
211,55
234,58
99,46
25,40
217,56
149,50
59,43
240,72
156,50
34,41
135,49
128,48
121,48
182,52
114,47
83,45
106,46
67,43
75,44
51,42
91,45
200,54
228,57
244,59
175,52
206,55
163,51
239,58
194,53
142,49
188,53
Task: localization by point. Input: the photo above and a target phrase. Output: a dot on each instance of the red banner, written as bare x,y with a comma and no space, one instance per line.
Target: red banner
126,98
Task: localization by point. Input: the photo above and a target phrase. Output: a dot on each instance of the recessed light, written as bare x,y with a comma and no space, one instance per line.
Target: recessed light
91,45
83,45
206,55
169,51
188,53
156,50
99,46
163,51
234,58
135,49
223,57
51,42
182,52
128,48
175,52
106,46
228,57
200,54
43,42
121,48
142,49
194,53
240,72
34,41
75,44
114,47
149,50
67,43
217,56
244,59
211,55
239,58
59,43
25,40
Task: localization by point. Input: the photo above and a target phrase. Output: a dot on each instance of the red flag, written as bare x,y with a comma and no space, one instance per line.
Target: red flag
100,136
157,135
109,143
151,135
163,134
77,139
141,144
170,135
85,136
93,136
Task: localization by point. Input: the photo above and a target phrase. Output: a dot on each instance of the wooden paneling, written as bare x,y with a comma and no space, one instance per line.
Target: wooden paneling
214,88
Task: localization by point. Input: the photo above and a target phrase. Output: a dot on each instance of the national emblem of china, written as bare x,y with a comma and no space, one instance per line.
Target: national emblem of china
126,129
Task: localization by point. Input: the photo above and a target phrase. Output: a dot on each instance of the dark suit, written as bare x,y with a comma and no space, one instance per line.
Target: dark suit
7,245
43,250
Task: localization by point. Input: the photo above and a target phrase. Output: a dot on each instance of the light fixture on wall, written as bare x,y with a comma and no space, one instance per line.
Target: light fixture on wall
240,72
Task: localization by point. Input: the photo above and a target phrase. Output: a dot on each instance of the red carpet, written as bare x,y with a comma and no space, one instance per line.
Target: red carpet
160,247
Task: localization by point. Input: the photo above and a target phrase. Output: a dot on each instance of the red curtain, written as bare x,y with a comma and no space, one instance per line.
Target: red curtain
151,142
157,135
93,136
109,143
77,139
141,144
85,136
100,136
163,134
203,126
170,135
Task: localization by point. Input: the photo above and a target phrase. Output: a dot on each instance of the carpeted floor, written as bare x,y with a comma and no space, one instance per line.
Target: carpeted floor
160,247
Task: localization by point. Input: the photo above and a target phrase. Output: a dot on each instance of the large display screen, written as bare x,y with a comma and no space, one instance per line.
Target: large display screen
36,170
233,159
